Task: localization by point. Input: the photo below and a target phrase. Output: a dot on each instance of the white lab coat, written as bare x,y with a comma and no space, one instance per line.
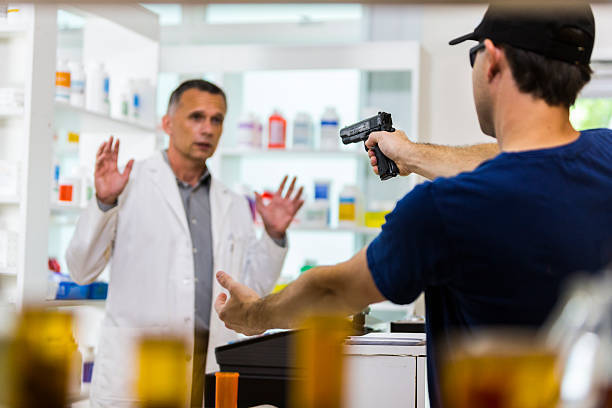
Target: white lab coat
151,290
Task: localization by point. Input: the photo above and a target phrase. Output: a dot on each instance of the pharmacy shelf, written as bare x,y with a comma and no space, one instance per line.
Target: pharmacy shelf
8,271
11,30
11,112
58,208
101,120
274,153
75,303
10,200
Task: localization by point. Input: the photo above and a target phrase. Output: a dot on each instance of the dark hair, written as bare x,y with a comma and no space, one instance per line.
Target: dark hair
199,84
556,82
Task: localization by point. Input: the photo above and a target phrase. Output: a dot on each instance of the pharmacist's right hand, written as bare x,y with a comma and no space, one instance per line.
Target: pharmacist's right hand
394,145
109,182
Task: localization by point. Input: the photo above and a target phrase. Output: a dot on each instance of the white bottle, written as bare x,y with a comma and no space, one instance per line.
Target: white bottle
302,131
77,84
97,87
349,206
62,82
330,129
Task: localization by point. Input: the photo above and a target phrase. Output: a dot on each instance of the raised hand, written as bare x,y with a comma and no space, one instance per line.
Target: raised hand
279,212
109,182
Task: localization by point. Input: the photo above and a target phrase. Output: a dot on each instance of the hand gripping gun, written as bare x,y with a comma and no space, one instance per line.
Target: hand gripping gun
360,131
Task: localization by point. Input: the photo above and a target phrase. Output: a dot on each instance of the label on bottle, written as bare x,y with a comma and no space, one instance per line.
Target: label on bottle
77,87
62,85
62,79
277,134
346,209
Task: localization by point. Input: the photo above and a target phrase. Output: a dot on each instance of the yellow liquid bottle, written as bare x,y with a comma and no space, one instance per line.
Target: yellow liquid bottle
162,373
41,359
318,354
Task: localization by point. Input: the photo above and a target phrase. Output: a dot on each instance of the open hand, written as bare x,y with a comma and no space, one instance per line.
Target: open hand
234,311
279,212
109,182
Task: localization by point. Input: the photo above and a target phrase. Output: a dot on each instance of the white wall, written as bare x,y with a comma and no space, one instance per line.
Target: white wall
448,115
447,112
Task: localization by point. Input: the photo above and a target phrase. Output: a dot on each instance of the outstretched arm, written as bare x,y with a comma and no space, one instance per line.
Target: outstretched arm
429,160
344,288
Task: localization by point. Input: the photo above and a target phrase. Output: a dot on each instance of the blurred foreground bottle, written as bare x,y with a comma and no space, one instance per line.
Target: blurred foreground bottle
500,369
319,352
581,329
162,373
40,359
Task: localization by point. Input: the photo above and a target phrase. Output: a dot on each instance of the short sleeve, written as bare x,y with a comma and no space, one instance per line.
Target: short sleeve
405,257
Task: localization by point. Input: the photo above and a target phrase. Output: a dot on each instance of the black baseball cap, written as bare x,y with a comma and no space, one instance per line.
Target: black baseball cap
565,34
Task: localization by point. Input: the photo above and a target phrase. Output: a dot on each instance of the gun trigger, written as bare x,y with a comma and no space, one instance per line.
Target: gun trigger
365,147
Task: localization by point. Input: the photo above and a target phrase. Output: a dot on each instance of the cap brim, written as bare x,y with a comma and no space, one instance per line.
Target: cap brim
470,36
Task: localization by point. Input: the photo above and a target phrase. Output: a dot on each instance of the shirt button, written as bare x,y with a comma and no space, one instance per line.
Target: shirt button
187,320
194,221
188,357
195,250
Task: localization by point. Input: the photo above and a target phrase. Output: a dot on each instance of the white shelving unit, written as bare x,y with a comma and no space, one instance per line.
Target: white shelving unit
97,120
11,112
384,76
126,40
26,134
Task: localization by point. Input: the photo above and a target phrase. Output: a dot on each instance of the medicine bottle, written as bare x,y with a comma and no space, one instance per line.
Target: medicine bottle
277,130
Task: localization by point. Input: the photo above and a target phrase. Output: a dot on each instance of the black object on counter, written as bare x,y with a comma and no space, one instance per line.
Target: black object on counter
407,326
265,367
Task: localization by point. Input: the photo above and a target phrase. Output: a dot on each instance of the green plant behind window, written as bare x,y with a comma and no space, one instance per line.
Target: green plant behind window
590,113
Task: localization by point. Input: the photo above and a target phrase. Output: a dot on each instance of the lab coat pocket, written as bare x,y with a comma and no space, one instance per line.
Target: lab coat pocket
115,373
235,255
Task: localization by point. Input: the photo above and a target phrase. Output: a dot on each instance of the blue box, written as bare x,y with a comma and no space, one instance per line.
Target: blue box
71,291
98,290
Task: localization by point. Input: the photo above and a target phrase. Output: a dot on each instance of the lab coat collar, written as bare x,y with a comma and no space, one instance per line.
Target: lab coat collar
165,180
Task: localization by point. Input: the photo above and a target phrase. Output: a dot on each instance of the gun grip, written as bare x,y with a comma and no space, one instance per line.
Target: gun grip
386,167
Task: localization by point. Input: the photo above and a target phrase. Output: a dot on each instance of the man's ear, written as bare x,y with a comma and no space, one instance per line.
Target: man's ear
165,122
494,57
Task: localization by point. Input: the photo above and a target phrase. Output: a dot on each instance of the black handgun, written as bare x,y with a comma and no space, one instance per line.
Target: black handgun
360,131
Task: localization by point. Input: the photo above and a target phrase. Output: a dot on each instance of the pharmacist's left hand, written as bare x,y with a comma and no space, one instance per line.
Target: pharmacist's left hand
279,212
233,311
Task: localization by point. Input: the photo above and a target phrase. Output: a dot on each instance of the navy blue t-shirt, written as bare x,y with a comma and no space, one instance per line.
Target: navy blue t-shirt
495,245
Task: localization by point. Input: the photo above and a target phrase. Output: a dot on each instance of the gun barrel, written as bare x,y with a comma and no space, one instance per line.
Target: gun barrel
360,131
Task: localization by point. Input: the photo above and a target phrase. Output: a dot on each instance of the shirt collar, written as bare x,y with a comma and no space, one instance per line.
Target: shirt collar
204,179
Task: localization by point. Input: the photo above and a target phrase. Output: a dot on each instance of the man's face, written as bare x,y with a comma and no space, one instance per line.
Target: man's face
482,96
195,124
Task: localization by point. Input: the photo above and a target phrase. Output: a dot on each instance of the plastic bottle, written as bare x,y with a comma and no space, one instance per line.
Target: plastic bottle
277,131
134,101
62,82
97,87
125,106
77,84
330,129
302,131
349,206
249,131
88,364
321,196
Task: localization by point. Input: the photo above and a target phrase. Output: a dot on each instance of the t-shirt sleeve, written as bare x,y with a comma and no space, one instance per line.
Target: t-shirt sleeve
406,256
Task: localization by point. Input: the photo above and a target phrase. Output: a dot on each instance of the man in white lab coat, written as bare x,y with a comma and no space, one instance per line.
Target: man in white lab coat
166,226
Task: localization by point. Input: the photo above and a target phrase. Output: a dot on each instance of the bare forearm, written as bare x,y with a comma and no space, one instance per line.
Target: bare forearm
431,161
338,289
